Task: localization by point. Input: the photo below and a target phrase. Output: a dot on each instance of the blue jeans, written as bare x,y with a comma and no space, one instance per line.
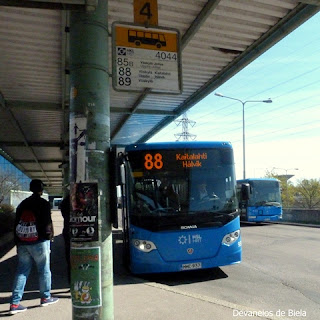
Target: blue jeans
40,253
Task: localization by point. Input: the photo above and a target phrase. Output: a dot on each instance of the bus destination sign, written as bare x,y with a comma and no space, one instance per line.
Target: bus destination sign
159,160
146,58
192,160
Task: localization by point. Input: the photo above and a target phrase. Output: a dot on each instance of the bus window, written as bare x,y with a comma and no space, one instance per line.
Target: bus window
263,203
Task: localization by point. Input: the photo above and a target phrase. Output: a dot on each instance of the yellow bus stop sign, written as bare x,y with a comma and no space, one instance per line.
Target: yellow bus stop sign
146,58
146,38
146,12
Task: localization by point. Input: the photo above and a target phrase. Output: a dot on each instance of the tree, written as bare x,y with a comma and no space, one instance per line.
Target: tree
288,190
308,193
8,181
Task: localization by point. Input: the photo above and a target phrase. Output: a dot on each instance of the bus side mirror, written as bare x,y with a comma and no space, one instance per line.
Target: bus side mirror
245,191
119,198
113,178
122,174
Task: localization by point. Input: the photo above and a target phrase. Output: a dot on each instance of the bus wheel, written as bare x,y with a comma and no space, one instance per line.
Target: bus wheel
158,45
137,43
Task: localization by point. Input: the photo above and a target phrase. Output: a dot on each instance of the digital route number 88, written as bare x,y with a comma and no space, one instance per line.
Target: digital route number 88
153,162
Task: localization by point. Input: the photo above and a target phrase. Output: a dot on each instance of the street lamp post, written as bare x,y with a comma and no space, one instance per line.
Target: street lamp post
243,125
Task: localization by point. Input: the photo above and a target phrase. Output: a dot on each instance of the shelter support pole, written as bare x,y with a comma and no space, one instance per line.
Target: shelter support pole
66,186
91,232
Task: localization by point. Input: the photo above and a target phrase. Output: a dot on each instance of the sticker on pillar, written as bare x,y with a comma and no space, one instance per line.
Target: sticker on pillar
78,134
73,92
84,212
85,285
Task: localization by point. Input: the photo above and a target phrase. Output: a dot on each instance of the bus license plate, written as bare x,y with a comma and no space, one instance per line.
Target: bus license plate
191,266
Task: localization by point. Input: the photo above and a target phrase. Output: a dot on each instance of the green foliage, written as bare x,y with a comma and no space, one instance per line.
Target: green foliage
6,208
287,189
7,217
308,193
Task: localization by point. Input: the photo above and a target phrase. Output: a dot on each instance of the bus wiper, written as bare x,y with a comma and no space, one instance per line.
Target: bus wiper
267,203
260,203
272,203
164,210
227,213
215,212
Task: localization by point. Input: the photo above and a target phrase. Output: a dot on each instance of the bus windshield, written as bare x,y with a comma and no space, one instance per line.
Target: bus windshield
264,192
174,188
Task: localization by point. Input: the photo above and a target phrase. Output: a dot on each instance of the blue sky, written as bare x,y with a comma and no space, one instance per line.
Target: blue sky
284,134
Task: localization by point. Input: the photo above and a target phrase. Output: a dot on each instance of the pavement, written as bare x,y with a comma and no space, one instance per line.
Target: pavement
134,298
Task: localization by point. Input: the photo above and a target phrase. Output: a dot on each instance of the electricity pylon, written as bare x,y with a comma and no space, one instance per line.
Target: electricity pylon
185,135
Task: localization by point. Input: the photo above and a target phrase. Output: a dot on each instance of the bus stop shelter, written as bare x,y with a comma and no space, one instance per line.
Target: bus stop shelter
79,76
218,39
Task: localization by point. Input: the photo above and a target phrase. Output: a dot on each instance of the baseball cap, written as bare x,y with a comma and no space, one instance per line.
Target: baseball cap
36,185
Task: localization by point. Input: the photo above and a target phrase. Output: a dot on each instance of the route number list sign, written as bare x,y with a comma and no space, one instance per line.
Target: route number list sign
146,58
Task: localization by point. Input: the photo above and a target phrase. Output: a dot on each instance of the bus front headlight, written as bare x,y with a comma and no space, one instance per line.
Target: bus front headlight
144,245
230,238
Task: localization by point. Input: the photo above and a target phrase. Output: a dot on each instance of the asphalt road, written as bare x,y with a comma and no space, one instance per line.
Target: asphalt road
279,276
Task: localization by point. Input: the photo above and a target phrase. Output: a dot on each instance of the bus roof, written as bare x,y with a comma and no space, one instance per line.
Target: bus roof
179,145
256,179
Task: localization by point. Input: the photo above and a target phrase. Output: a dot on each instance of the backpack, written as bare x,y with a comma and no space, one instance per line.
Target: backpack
26,229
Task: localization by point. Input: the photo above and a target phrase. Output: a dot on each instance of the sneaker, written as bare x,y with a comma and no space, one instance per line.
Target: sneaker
46,301
16,308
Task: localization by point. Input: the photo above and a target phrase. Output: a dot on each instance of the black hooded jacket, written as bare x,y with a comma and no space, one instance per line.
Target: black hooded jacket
42,212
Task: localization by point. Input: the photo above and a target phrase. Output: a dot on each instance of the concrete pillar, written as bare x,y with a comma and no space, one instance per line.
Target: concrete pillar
91,255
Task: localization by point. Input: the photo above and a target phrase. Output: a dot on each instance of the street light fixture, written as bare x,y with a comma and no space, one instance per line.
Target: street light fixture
243,124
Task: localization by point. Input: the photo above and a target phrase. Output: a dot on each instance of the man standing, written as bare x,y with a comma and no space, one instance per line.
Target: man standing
33,232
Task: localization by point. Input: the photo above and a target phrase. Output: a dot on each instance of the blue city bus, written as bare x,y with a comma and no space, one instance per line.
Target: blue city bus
263,202
179,206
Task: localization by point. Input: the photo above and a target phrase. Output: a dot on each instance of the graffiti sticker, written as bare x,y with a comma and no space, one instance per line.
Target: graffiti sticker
85,277
84,213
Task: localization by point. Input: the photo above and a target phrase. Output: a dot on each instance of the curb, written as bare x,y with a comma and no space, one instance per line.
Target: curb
295,224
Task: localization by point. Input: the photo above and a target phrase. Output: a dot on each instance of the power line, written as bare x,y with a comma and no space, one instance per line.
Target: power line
271,112
266,90
185,135
279,112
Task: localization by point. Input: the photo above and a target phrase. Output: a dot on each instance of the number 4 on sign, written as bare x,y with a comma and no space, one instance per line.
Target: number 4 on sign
146,11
